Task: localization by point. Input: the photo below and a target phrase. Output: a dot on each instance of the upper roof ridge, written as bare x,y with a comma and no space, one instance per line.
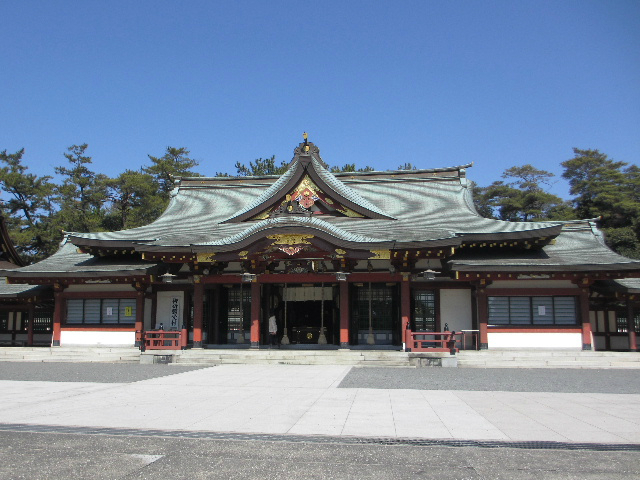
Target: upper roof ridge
307,162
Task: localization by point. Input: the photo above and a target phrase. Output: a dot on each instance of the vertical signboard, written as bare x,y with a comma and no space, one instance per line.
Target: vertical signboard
169,314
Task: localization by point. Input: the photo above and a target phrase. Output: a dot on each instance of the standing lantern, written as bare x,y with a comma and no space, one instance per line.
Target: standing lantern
322,339
371,340
240,338
285,337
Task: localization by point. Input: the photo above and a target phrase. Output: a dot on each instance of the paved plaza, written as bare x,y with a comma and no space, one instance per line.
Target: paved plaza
333,401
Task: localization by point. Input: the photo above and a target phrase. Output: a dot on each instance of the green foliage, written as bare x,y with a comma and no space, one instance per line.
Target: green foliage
624,241
602,187
609,189
133,201
82,194
522,198
350,167
407,166
267,166
174,163
29,208
259,167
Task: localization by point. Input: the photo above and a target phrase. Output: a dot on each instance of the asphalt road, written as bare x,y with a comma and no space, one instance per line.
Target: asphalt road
37,456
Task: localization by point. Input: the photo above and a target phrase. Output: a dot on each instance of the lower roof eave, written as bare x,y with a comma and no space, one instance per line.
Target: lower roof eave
515,235
622,268
28,292
120,274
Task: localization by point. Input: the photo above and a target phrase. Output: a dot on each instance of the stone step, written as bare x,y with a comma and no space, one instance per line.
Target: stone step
291,361
118,359
70,354
575,361
285,356
545,353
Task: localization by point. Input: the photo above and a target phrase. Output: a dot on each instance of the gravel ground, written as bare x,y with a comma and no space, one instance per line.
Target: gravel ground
87,372
496,379
476,379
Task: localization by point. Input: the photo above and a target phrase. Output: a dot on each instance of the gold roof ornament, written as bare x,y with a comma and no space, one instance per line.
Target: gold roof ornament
290,238
305,136
205,257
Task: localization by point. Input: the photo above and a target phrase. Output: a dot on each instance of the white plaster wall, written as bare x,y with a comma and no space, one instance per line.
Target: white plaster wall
455,309
97,338
535,340
163,312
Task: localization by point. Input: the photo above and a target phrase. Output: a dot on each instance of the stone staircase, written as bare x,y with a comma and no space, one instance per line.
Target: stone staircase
70,354
547,359
371,358
360,358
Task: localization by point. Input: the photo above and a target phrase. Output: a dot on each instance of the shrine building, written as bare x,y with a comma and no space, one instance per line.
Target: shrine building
343,260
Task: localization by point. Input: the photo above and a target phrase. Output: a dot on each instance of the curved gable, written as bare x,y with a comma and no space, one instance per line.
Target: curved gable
308,188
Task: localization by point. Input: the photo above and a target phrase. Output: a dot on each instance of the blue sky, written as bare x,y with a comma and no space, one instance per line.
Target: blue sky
434,83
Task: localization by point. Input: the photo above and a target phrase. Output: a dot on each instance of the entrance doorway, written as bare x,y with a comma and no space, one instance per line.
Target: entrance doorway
306,311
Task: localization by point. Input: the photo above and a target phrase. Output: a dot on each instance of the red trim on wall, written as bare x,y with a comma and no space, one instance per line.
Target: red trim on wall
536,329
99,327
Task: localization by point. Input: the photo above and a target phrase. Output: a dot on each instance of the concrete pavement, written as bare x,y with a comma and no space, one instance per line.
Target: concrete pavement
306,400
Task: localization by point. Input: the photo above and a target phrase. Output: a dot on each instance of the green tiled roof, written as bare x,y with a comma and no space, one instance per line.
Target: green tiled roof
579,247
424,208
67,261
407,210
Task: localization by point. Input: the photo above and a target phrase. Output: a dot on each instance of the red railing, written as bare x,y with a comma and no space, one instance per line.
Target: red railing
164,339
431,341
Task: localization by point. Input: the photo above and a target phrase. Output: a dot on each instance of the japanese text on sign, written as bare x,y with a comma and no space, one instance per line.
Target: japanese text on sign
175,312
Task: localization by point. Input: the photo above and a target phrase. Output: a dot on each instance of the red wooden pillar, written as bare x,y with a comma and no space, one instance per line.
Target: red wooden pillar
405,309
57,315
586,321
255,314
483,316
140,289
344,314
30,317
198,310
631,327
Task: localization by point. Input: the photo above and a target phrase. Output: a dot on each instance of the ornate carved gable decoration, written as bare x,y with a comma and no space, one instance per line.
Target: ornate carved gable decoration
308,188
308,199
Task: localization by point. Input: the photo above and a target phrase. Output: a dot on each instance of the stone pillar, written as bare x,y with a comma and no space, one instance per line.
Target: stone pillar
255,314
344,314
30,317
483,316
57,314
586,321
405,309
198,306
631,327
